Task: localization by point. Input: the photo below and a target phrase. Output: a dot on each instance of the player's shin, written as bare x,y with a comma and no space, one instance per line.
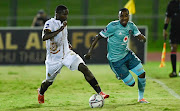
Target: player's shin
44,86
93,82
173,61
141,87
89,77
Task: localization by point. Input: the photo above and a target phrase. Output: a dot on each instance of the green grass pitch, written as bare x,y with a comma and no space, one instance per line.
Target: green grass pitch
70,91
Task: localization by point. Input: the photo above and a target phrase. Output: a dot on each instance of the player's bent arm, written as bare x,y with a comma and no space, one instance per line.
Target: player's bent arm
88,55
141,38
48,34
34,20
98,37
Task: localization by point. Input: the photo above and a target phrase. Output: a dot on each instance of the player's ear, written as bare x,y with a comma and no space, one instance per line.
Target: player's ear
118,15
55,15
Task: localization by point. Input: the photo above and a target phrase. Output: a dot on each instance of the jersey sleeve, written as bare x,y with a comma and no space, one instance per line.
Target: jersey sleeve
48,25
108,31
136,31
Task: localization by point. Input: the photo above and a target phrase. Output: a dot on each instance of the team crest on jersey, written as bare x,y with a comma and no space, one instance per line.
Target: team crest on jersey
125,39
53,46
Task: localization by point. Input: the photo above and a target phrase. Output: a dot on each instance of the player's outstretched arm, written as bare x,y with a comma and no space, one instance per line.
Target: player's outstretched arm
34,20
88,55
141,38
48,34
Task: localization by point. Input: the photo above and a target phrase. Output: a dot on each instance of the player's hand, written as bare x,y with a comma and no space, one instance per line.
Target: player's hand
87,56
64,23
141,38
62,27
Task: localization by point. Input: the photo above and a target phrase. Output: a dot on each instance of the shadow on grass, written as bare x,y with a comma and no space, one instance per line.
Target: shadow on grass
108,106
31,107
27,107
12,73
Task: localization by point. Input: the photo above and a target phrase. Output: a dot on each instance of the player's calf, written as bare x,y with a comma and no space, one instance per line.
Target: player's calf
44,86
87,73
142,75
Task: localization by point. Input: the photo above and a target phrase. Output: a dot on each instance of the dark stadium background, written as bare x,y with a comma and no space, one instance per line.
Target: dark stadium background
151,13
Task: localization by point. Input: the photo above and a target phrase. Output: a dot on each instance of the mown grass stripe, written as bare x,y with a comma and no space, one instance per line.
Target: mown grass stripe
172,92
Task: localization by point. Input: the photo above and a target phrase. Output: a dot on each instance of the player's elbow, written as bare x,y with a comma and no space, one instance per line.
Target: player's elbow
44,38
144,40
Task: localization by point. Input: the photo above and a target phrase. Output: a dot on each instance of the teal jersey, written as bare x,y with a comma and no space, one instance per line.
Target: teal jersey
117,38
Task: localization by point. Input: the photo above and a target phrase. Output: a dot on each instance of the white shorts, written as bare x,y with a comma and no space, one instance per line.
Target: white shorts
71,61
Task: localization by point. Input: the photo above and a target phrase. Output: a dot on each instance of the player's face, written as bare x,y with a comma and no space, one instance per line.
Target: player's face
124,17
63,15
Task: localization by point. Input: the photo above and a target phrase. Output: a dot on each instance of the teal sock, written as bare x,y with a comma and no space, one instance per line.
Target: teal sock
141,87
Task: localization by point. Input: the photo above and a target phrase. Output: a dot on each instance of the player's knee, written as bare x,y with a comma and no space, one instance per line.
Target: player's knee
174,48
132,84
142,75
83,68
129,80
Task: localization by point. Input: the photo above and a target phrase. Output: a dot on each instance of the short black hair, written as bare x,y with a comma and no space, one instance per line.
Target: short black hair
41,11
124,9
60,8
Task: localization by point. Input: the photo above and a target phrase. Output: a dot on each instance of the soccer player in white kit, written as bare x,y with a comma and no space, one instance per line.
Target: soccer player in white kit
59,53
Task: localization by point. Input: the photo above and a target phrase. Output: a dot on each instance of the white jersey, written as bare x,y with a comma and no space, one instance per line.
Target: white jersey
57,47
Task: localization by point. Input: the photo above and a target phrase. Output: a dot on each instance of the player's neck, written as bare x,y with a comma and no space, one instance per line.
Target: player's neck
123,25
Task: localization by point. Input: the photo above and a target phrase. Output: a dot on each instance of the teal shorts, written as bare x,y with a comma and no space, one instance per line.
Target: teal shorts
129,62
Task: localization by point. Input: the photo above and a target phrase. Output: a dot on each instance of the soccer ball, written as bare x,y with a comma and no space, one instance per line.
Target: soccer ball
96,101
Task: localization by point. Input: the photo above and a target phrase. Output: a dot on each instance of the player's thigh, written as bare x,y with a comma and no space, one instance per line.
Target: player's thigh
174,37
122,73
76,62
174,47
129,80
72,61
133,61
138,70
120,69
52,69
135,64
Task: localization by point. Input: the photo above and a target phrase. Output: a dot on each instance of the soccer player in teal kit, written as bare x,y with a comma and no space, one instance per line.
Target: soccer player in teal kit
121,58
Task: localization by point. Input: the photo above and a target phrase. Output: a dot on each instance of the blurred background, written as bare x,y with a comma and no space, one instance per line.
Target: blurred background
150,13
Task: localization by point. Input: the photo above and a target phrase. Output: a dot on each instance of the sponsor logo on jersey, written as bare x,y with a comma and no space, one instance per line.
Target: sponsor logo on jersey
125,39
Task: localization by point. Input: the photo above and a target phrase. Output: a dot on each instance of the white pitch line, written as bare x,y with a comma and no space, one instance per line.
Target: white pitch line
166,88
